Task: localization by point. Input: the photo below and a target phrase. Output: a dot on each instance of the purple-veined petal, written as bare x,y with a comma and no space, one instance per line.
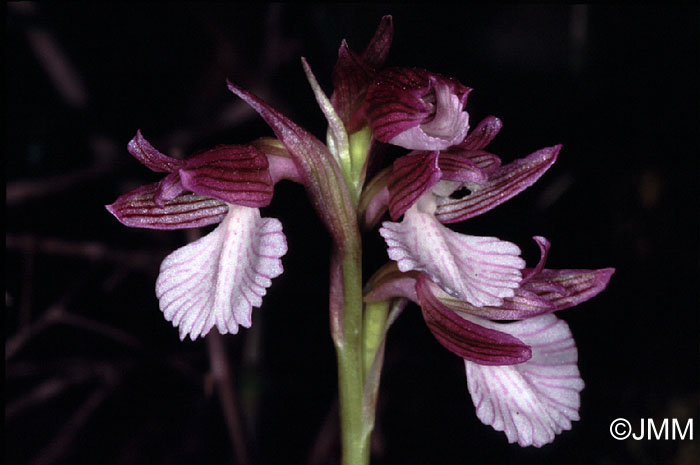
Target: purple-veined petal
466,338
351,77
374,55
536,400
376,208
321,174
138,209
486,162
567,288
456,167
546,292
218,279
411,176
374,200
544,246
236,174
388,283
501,186
416,109
482,135
144,152
523,305
170,187
395,102
480,270
448,126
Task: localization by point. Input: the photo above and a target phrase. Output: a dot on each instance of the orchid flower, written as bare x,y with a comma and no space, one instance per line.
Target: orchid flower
218,279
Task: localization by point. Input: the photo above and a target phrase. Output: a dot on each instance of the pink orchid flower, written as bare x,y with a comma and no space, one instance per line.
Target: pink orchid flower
218,279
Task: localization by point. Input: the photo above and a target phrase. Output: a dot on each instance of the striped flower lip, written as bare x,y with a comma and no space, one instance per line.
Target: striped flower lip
218,279
417,109
480,270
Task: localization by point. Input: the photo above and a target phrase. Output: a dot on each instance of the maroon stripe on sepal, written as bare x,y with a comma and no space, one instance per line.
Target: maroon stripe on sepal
138,209
482,135
456,167
567,288
501,186
377,49
236,174
465,338
144,152
351,77
412,175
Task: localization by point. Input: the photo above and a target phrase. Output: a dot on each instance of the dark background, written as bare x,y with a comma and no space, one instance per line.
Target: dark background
94,374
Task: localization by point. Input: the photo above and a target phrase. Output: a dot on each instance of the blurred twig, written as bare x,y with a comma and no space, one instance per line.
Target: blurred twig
65,436
58,314
52,58
225,387
56,385
90,250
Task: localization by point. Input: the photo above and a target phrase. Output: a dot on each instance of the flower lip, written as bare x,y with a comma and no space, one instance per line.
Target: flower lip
218,279
480,270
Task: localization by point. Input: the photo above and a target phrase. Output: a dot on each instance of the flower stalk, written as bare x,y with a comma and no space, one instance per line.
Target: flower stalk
349,354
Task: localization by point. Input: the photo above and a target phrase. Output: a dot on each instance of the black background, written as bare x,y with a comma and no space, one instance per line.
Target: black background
112,384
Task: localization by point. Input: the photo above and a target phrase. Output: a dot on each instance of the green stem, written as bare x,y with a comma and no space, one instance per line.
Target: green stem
373,332
350,363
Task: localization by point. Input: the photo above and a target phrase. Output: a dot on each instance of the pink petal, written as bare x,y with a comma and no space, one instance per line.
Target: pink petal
536,400
481,270
460,168
138,209
144,152
483,134
280,162
170,187
487,163
218,279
